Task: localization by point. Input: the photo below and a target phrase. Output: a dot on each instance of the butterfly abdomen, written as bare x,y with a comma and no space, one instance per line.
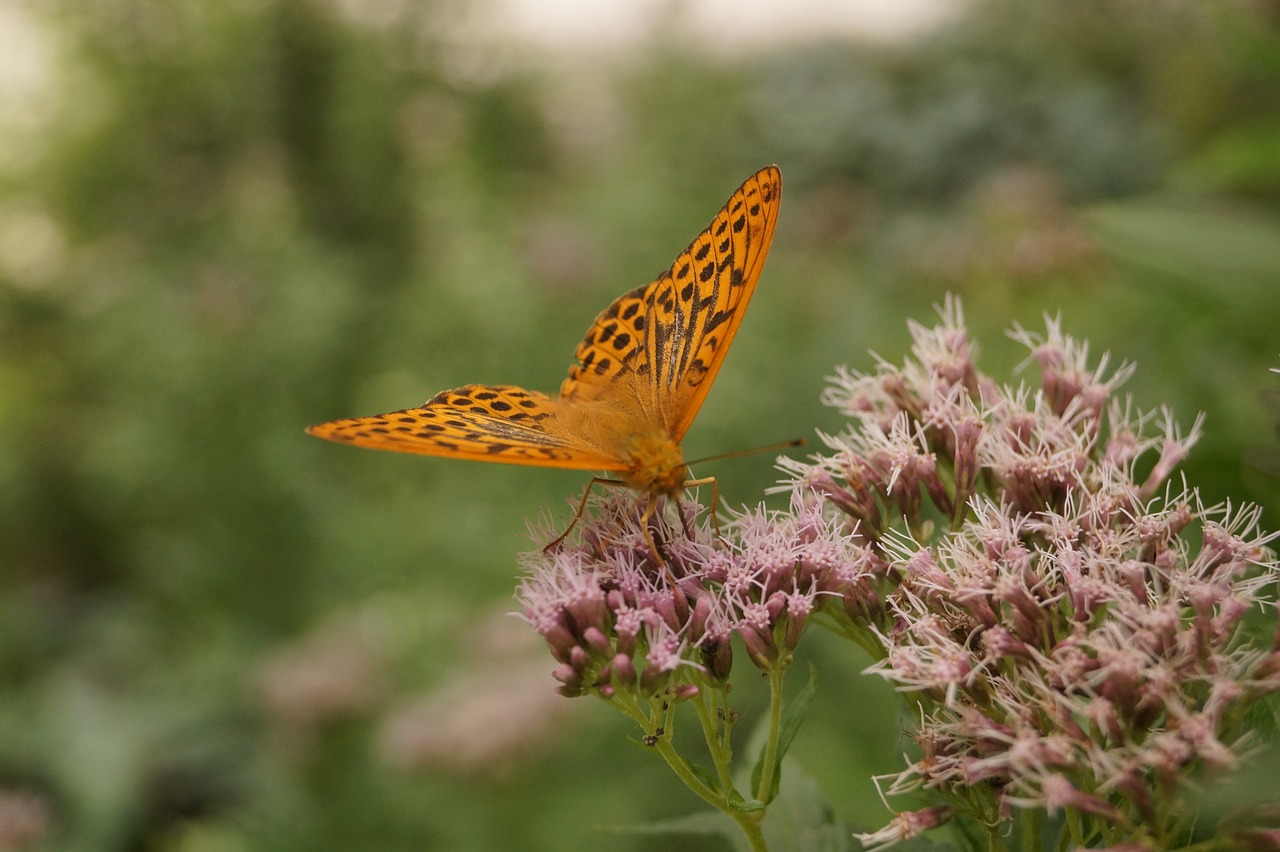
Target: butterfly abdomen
656,465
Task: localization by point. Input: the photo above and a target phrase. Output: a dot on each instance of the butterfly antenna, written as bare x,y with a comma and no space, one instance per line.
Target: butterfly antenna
781,445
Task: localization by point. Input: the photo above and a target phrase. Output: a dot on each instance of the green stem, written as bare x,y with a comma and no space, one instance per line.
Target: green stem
749,823
993,836
682,770
775,725
719,747
1073,823
751,828
663,744
1030,828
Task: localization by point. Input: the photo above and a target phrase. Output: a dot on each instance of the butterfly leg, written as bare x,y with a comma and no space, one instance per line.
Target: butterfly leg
649,509
582,507
715,503
650,506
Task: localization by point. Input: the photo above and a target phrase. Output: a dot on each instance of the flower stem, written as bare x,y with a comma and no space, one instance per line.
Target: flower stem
748,822
1030,829
718,745
770,757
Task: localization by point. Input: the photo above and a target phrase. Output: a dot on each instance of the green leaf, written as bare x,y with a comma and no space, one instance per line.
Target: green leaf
705,823
706,775
700,824
802,820
1204,242
793,714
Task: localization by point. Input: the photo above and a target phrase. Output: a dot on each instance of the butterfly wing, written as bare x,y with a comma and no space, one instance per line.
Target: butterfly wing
647,361
667,339
496,423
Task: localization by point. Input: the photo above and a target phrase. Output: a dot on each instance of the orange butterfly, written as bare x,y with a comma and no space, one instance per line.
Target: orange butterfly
642,371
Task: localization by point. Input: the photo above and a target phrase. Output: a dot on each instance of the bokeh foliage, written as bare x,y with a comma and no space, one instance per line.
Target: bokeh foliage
221,221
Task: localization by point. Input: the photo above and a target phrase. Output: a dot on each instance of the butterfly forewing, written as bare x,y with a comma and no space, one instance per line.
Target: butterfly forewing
667,339
712,283
498,423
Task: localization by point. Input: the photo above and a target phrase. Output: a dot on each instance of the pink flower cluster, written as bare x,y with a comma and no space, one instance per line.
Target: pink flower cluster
612,620
1066,620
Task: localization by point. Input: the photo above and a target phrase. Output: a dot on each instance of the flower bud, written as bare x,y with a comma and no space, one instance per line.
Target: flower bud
559,640
798,608
667,608
967,433
1000,643
624,670
905,826
586,609
626,630
569,676
775,606
1229,614
663,658
685,691
579,658
761,648
702,609
596,640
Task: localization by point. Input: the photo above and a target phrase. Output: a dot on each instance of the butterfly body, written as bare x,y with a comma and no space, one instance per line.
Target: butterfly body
640,374
656,465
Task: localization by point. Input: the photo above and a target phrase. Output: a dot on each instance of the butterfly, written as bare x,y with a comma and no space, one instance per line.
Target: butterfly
637,381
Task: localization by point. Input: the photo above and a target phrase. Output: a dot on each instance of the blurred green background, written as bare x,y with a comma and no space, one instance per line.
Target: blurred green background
222,221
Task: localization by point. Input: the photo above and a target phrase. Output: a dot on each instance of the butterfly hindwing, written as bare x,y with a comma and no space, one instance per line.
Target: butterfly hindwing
498,423
609,352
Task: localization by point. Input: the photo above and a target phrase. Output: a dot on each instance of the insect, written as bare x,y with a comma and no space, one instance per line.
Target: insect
639,377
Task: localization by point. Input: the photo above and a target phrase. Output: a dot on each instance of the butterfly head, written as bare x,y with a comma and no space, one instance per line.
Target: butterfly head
655,465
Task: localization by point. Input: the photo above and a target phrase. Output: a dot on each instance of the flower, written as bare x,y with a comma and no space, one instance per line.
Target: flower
610,617
1074,637
905,825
